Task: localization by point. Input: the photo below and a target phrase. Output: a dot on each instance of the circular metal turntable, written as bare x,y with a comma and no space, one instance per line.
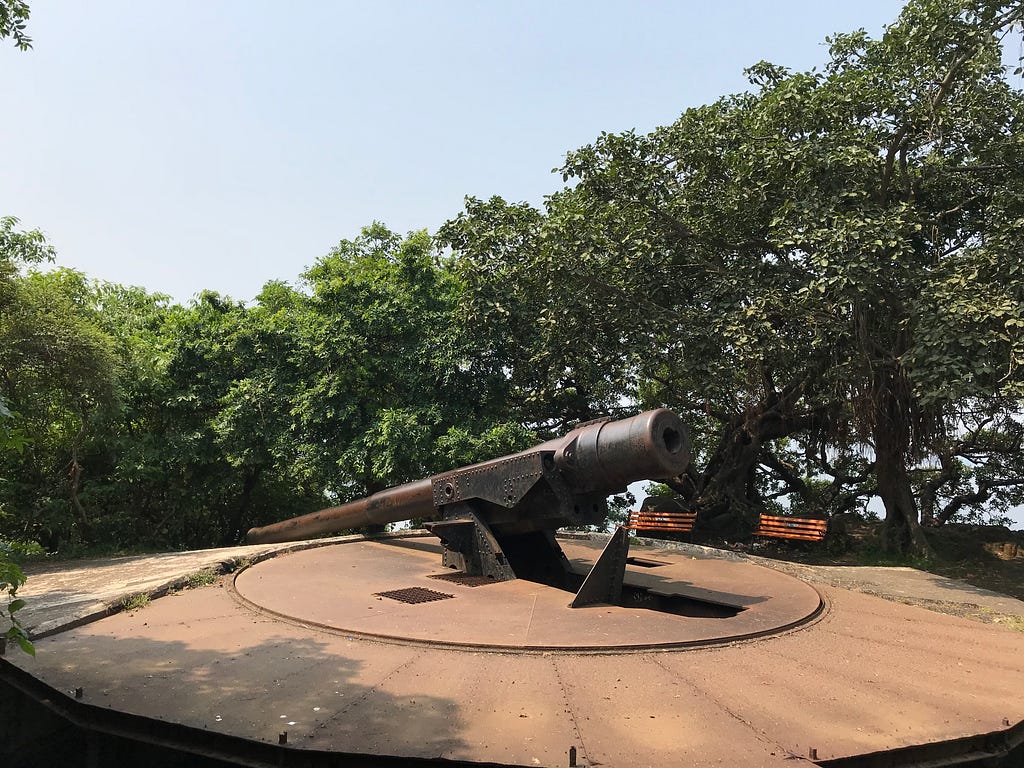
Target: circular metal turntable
398,591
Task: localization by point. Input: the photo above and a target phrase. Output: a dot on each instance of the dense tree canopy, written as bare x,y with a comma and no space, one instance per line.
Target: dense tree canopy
392,390
141,422
822,273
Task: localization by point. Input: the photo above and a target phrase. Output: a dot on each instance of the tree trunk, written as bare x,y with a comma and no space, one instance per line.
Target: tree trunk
725,495
718,494
75,484
902,531
949,470
232,532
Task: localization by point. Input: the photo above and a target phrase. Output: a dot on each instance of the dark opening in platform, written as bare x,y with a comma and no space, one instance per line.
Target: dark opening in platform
679,605
646,562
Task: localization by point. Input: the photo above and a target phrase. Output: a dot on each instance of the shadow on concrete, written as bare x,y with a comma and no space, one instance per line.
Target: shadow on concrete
197,700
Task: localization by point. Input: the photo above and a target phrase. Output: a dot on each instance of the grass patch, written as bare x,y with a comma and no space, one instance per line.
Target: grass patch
135,602
1015,623
873,556
201,578
240,564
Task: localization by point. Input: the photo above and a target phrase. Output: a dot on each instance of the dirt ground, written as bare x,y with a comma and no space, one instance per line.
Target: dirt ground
989,558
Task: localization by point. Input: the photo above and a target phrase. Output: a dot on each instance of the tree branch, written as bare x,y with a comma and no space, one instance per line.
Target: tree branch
980,496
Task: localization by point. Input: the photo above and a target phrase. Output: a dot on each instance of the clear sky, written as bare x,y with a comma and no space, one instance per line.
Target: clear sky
222,143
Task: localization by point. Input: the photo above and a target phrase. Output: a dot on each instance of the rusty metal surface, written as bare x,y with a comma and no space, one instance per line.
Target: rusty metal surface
868,675
603,584
334,587
497,518
465,579
414,595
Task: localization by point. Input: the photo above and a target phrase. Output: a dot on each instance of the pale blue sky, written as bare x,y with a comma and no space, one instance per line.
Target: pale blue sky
190,145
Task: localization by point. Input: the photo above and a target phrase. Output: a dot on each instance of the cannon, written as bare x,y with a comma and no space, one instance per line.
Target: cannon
497,519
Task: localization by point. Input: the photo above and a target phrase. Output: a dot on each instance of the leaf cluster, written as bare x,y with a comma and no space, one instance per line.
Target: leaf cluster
13,21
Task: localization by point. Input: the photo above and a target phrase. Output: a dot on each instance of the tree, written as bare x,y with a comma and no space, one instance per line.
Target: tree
11,576
13,19
17,248
57,368
520,305
824,268
391,391
211,450
148,424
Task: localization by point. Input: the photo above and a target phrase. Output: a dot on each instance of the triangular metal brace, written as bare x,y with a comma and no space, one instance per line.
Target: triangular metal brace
470,546
604,582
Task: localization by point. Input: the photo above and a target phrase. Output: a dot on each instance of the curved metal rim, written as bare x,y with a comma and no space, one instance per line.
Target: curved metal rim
823,608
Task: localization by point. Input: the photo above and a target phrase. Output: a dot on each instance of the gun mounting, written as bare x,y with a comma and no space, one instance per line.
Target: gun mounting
497,518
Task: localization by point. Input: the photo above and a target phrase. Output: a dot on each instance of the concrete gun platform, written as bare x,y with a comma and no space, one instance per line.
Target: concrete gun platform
866,675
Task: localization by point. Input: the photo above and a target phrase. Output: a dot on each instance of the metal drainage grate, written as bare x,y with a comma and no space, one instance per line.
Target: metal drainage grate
414,595
465,579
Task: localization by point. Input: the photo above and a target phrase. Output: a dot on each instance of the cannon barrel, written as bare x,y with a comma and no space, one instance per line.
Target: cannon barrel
389,506
596,457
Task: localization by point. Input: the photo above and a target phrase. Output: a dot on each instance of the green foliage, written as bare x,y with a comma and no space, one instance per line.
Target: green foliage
527,308
225,448
144,424
460,446
57,367
11,578
20,551
13,18
391,389
17,248
202,578
12,438
135,602
20,247
618,510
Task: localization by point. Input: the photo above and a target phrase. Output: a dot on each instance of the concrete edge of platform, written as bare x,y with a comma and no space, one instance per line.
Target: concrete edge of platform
94,610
